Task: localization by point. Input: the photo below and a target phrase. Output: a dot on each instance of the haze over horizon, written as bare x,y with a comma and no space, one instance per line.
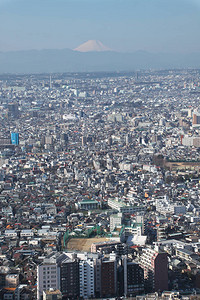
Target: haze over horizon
170,26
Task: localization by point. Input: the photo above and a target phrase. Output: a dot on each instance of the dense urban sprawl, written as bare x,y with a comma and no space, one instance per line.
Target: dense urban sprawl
100,185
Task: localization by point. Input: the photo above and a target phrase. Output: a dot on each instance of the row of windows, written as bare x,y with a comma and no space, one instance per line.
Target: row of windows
48,272
47,277
53,280
49,285
48,268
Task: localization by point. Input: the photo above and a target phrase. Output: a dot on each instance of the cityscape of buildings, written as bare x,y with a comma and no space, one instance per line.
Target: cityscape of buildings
100,185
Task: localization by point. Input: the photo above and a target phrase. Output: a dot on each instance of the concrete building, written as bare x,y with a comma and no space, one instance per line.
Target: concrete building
161,233
15,138
86,277
10,233
133,278
87,204
130,278
109,277
115,220
196,119
123,208
12,280
52,295
155,266
27,233
48,273
69,276
104,246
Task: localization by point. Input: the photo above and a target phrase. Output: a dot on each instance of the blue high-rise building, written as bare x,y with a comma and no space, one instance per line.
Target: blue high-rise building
15,138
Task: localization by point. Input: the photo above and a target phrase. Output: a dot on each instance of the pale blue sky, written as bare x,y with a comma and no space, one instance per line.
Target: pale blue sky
123,25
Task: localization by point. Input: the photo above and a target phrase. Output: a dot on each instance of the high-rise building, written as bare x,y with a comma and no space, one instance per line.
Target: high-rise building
86,277
69,276
15,138
155,265
130,278
108,277
48,273
134,279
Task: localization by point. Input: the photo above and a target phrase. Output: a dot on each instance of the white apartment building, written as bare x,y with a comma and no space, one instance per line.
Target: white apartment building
123,208
165,206
115,220
48,273
86,273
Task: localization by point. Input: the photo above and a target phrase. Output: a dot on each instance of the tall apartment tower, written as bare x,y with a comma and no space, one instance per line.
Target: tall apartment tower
133,279
86,277
48,273
130,278
109,277
155,265
69,278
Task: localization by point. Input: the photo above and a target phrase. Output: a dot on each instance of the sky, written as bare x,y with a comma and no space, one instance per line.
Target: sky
122,25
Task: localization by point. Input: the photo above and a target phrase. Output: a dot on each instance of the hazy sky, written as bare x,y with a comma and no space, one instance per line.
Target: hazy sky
123,25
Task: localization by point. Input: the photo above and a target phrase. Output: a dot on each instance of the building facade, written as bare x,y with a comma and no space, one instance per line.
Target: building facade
155,266
69,278
86,278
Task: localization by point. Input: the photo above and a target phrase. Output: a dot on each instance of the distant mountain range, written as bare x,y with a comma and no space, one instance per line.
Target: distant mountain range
95,60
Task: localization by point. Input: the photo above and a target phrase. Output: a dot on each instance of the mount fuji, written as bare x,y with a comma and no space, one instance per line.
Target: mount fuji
92,46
